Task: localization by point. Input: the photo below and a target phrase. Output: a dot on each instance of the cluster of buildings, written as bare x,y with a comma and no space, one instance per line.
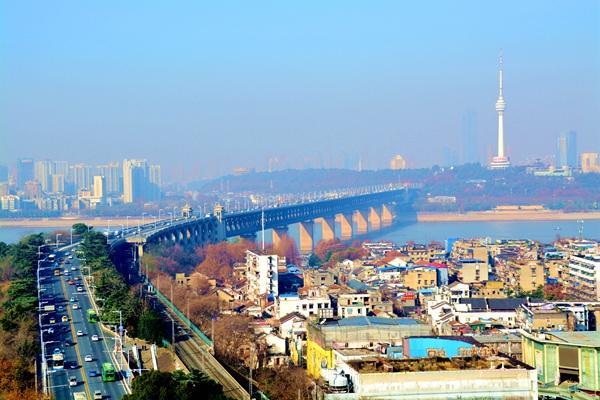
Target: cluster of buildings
465,319
58,185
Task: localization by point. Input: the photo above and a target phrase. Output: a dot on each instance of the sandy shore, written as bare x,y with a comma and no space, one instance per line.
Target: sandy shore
473,216
66,222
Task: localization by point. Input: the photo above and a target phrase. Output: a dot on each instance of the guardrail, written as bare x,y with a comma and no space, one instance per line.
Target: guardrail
182,317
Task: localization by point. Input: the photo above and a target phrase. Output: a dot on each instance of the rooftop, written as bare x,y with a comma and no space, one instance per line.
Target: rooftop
435,364
589,338
370,321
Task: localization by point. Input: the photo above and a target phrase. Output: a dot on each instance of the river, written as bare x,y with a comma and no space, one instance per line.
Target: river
424,232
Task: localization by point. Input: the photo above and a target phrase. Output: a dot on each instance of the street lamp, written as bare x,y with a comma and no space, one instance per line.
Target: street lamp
57,236
71,236
159,211
127,222
143,220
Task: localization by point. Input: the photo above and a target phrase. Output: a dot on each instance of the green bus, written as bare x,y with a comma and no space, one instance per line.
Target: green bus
108,372
92,316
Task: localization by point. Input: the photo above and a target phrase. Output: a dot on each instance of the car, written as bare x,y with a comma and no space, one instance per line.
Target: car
73,268
70,257
66,272
97,395
95,338
71,282
93,373
52,320
56,351
79,333
88,358
61,308
80,289
77,278
72,299
51,330
75,306
65,318
72,381
71,365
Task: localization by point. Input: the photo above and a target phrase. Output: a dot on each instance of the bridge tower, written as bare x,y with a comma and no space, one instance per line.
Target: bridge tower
345,226
327,228
362,224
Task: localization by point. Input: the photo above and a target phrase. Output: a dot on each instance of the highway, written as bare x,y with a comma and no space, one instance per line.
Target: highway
63,335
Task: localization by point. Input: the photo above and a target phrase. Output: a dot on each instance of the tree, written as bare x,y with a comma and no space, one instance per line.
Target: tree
80,228
157,385
287,248
150,326
314,260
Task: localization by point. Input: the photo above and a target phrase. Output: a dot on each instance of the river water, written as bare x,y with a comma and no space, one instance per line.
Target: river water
423,232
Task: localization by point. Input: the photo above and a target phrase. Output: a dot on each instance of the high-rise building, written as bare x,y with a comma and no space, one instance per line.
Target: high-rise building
43,174
469,137
61,168
32,189
81,176
590,163
155,181
566,151
24,172
58,183
112,173
135,180
398,162
501,161
99,184
262,274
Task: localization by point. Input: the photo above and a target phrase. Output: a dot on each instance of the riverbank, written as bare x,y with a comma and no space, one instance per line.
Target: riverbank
493,215
67,222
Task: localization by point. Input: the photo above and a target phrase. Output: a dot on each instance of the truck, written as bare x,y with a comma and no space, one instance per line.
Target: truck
49,307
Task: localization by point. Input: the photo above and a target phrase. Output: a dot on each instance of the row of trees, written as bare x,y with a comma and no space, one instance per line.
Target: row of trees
114,296
157,385
18,322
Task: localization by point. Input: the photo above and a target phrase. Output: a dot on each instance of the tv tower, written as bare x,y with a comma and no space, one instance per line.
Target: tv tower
500,161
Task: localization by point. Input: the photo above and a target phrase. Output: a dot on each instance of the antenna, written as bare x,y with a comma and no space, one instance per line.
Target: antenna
580,222
262,224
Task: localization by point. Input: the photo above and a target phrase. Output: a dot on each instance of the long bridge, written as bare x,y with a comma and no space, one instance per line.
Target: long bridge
344,218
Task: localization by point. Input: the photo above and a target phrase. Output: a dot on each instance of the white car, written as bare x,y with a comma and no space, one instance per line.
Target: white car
80,289
73,268
95,338
72,381
79,333
75,306
88,358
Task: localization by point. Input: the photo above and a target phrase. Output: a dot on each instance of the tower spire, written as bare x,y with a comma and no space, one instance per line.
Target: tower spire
501,161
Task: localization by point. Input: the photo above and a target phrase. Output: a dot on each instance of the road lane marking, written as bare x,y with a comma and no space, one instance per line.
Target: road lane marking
76,345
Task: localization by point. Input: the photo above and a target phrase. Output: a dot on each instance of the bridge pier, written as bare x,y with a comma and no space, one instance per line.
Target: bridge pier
327,228
386,216
362,224
278,234
306,236
374,219
345,226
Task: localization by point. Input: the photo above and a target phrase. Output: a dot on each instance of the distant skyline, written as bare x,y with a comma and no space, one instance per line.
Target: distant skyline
202,88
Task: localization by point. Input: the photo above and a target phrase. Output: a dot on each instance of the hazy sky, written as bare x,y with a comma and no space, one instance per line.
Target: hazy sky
202,87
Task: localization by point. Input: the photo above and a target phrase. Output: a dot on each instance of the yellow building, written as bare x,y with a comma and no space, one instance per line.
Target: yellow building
398,162
530,275
590,163
420,278
472,271
491,290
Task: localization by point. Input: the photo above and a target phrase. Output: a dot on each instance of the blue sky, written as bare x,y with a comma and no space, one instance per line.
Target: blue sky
202,87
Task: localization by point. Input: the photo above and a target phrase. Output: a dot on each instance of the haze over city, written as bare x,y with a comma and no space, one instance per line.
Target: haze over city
317,200
202,88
